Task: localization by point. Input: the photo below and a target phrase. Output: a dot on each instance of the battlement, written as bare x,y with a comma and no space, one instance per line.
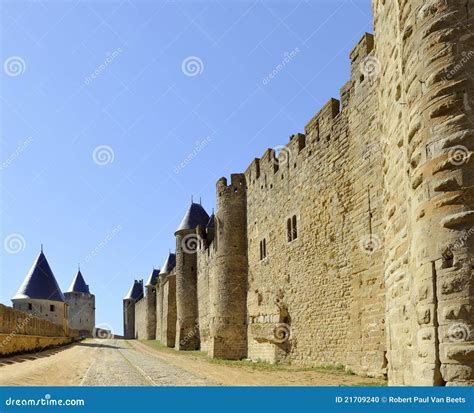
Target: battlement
237,184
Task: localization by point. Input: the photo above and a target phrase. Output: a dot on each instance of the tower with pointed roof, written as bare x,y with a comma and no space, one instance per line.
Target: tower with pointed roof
187,331
134,294
166,303
81,305
40,295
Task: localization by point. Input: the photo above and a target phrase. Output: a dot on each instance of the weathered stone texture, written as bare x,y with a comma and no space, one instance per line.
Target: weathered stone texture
81,311
354,244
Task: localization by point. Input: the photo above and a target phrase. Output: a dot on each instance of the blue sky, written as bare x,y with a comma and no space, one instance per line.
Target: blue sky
113,113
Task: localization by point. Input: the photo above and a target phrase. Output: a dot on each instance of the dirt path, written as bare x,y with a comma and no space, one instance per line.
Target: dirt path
133,363
226,375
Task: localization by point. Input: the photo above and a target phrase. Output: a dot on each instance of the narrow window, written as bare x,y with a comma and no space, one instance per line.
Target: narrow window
288,230
51,308
261,250
264,248
295,229
30,306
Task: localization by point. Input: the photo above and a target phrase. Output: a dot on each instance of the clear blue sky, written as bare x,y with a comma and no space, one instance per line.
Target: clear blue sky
82,75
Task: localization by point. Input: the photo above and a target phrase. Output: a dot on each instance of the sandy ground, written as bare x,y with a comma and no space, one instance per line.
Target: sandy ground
133,363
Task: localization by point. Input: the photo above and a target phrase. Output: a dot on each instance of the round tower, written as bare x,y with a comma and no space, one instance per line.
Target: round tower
151,292
228,282
166,303
187,328
81,306
40,294
424,63
134,294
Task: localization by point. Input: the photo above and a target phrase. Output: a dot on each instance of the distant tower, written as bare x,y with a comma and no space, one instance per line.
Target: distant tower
228,283
166,303
81,310
187,330
135,294
151,305
40,294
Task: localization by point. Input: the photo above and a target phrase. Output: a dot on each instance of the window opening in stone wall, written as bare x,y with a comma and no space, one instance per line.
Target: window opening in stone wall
295,229
52,308
291,229
30,306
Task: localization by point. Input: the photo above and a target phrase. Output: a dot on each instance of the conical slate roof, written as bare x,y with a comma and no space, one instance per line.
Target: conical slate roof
78,284
136,292
210,223
196,215
40,283
153,277
169,264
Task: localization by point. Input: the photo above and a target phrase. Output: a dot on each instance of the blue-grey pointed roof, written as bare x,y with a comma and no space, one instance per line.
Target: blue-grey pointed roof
210,223
169,264
40,282
153,277
136,292
78,285
196,215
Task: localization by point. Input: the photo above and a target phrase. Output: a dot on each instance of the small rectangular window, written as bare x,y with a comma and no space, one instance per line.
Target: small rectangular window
52,308
291,229
30,306
263,249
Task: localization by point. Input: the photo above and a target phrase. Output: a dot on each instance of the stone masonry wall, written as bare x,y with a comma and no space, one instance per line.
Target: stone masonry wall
425,53
324,288
169,315
141,319
358,233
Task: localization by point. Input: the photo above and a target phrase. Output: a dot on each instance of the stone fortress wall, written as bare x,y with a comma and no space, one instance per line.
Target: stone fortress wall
21,331
352,244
